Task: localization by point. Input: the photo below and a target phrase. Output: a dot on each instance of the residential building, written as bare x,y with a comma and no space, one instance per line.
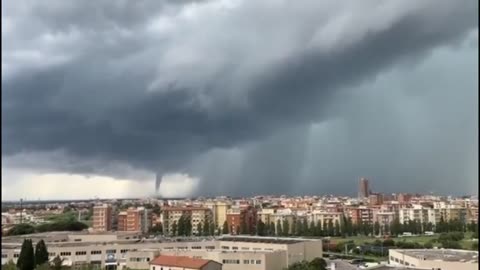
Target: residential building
242,216
122,221
171,215
102,218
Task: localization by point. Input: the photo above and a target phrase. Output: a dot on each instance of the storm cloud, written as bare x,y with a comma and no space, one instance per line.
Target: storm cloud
249,96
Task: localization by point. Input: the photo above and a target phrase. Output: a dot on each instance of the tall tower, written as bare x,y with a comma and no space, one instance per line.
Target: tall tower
363,190
158,181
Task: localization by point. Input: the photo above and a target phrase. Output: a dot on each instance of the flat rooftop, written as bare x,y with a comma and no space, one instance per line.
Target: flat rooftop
451,255
261,240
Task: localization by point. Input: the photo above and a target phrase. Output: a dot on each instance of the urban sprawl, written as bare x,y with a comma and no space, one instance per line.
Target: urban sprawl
370,231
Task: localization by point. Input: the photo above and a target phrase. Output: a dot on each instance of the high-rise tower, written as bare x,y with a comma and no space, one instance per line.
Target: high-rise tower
363,190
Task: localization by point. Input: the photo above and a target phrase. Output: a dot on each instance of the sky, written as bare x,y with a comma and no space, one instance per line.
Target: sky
232,97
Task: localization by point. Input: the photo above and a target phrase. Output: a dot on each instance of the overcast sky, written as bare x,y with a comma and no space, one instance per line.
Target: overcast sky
231,97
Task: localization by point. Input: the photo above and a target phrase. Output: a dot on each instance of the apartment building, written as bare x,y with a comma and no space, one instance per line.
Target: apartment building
219,211
418,214
265,215
122,221
325,217
241,216
375,199
171,215
102,218
384,218
360,214
281,217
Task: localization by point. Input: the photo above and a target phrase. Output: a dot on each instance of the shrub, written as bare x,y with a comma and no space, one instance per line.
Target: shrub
388,243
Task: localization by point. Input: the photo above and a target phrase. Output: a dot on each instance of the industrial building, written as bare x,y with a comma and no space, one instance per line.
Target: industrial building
444,259
123,250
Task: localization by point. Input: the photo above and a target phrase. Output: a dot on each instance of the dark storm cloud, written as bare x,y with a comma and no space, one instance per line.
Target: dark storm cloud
156,85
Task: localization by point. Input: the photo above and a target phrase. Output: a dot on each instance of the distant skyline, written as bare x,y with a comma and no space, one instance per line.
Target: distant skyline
238,97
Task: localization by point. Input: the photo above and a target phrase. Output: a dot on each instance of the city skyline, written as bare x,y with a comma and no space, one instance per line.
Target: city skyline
238,97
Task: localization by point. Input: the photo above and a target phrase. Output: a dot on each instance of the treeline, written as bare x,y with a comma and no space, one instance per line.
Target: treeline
348,228
21,229
184,227
380,247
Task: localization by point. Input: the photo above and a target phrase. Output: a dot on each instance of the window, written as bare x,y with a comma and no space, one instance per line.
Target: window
65,253
79,253
235,248
112,251
231,261
209,247
153,268
246,262
51,254
245,248
196,247
258,262
16,255
96,252
4,256
225,247
123,251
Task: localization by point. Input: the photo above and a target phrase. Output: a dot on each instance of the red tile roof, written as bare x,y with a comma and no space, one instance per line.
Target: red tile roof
179,261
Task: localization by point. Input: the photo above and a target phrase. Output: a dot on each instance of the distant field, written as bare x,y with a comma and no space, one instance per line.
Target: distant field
421,239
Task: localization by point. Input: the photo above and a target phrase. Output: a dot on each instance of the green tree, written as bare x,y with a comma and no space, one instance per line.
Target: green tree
299,227
206,228
304,227
318,229
212,229
330,228
318,264
44,266
311,229
238,230
337,228
181,226
188,226
10,265
376,228
175,228
271,230
21,229
157,229
285,227
279,231
243,227
57,263
199,229
41,253
26,259
294,227
225,229
260,228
